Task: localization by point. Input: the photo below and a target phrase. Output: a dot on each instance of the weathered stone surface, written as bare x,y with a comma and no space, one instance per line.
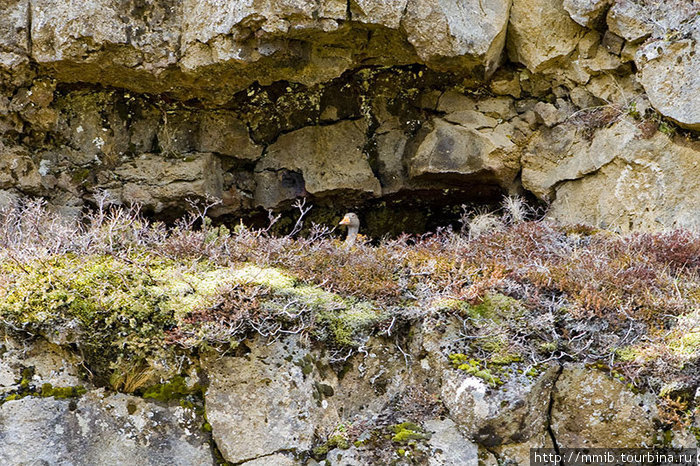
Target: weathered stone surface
514,413
161,183
519,453
619,179
49,363
588,45
214,49
670,74
278,459
592,410
14,37
258,33
471,119
563,154
612,90
455,151
629,20
453,101
587,12
18,170
262,403
106,40
225,134
100,429
391,147
497,107
612,42
329,158
382,371
473,29
539,47
387,13
349,457
506,84
448,446
87,88
101,128
634,194
548,114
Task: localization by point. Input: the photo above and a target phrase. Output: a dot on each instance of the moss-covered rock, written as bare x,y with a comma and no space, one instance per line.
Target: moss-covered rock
120,313
110,308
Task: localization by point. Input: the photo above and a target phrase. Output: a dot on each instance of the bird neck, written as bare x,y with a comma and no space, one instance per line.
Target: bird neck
352,233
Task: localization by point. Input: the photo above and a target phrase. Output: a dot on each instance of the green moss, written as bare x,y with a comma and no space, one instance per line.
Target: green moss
306,364
626,354
349,323
175,389
47,390
633,112
114,303
450,304
27,374
123,309
496,307
505,359
408,431
335,441
547,347
667,128
473,367
343,321
687,344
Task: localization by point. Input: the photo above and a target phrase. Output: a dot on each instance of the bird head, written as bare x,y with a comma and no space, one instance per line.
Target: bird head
350,220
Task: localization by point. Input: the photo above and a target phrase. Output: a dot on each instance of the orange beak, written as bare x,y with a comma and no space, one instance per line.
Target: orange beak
345,221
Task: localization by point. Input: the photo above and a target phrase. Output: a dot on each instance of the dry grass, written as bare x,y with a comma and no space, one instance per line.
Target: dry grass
583,294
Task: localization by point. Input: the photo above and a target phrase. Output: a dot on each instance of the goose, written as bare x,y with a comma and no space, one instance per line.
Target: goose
351,221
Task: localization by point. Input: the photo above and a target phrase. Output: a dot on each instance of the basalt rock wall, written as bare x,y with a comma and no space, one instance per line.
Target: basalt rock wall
287,402
588,105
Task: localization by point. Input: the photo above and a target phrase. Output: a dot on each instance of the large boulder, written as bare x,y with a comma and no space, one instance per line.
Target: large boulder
267,401
160,183
474,30
451,152
539,47
621,179
593,410
214,49
328,158
670,74
100,429
587,13
107,40
513,413
564,153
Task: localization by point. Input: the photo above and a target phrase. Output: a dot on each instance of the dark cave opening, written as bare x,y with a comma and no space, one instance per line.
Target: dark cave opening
414,212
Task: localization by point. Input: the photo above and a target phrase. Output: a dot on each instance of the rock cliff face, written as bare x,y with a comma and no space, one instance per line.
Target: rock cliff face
283,404
588,105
